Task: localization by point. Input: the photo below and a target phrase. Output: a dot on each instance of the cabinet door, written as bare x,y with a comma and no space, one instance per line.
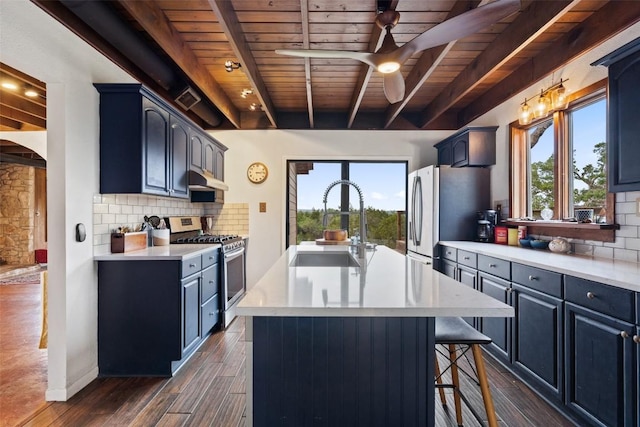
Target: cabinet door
469,277
636,340
209,157
197,148
179,158
444,153
449,269
155,142
624,126
190,313
460,151
497,328
599,360
219,164
538,339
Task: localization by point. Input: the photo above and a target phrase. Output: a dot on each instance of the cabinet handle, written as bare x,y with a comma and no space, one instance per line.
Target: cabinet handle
508,290
211,313
492,266
211,258
591,295
448,253
624,334
532,278
192,266
211,281
467,258
636,339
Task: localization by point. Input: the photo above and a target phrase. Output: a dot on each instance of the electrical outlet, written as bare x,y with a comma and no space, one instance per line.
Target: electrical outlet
263,206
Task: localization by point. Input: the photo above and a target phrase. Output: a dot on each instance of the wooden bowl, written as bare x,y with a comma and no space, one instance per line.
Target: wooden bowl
336,235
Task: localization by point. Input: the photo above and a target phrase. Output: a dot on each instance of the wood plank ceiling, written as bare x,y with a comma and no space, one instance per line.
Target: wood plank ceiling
446,86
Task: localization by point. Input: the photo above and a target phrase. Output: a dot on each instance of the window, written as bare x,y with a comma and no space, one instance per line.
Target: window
383,185
559,163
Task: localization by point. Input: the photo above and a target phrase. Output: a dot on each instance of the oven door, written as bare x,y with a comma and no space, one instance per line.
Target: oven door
233,277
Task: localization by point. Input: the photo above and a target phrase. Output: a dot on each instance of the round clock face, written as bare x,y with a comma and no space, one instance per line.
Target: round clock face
257,172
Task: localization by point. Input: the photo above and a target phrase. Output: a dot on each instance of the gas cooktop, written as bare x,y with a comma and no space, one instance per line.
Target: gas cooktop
210,238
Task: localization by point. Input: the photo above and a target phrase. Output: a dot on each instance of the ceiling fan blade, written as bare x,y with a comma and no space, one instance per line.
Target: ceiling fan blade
393,84
458,27
365,57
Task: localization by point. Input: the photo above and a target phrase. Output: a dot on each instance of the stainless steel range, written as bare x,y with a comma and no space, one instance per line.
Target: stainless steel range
189,230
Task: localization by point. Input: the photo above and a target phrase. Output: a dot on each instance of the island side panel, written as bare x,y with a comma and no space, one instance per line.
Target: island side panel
343,371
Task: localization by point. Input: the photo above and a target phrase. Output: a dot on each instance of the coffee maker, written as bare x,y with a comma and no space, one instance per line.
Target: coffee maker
486,223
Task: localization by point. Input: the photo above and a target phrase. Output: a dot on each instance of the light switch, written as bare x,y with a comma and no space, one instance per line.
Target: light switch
263,206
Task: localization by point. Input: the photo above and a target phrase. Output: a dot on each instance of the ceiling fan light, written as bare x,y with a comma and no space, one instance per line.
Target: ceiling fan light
388,67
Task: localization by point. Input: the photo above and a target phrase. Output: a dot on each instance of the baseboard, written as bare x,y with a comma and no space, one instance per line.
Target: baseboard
62,395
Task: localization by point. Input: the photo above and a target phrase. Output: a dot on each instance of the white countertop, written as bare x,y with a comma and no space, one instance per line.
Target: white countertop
391,285
623,274
159,253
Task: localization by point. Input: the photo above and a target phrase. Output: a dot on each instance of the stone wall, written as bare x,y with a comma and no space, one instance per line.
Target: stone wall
17,192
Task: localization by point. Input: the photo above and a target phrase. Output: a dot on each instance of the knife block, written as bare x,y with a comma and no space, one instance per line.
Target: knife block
128,242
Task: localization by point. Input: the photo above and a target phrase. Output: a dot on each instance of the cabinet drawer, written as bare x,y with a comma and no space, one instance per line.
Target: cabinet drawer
450,253
538,279
495,266
210,281
467,258
605,299
191,265
210,258
210,314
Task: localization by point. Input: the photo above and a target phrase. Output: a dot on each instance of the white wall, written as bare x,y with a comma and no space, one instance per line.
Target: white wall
34,43
275,147
36,140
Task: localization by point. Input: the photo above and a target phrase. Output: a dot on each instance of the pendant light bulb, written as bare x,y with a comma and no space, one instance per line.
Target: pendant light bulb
524,116
542,106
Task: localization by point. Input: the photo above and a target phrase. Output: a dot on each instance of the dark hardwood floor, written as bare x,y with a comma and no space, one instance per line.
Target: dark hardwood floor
210,391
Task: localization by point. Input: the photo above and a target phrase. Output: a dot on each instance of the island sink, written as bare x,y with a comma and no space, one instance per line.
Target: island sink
324,259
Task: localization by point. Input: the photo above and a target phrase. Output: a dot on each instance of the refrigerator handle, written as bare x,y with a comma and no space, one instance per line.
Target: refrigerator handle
417,211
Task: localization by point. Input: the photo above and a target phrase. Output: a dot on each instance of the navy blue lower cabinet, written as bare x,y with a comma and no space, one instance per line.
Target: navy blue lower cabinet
343,371
538,340
496,328
469,277
601,373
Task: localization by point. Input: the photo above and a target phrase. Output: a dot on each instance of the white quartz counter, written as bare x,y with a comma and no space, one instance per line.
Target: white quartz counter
159,253
391,285
623,274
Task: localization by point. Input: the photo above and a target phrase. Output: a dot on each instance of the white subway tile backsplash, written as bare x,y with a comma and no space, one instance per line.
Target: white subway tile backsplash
603,252
626,208
100,208
633,244
619,243
627,231
632,219
625,255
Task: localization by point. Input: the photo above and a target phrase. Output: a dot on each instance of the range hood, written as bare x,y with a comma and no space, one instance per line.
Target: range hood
204,181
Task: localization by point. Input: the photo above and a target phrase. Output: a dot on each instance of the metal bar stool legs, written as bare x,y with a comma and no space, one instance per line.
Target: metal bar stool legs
453,332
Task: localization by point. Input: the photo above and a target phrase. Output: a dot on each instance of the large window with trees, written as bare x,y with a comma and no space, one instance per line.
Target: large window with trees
383,185
559,163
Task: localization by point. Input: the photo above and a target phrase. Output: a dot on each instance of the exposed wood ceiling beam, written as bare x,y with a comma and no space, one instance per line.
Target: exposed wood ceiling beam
611,19
10,123
11,113
425,66
25,105
228,20
375,41
304,9
531,22
154,22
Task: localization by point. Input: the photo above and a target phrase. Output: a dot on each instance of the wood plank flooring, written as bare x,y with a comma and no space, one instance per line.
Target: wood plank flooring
210,391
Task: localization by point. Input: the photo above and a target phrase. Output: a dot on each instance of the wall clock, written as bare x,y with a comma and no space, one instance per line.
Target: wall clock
257,172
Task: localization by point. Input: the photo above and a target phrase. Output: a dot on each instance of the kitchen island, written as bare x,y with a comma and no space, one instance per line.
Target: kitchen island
334,340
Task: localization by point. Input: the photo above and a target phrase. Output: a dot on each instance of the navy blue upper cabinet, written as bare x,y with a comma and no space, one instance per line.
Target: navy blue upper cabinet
474,146
144,143
623,146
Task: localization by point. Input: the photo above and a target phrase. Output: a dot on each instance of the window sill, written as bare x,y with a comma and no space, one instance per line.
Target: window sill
573,230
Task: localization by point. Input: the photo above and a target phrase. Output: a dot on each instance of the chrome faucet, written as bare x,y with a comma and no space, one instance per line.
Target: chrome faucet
362,244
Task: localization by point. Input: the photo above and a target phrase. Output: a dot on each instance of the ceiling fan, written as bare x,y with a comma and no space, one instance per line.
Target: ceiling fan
390,57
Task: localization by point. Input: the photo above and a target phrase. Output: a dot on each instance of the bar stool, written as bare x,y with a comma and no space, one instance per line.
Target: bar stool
454,334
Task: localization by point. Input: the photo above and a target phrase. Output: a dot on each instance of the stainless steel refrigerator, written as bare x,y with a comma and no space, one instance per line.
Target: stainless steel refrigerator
442,206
